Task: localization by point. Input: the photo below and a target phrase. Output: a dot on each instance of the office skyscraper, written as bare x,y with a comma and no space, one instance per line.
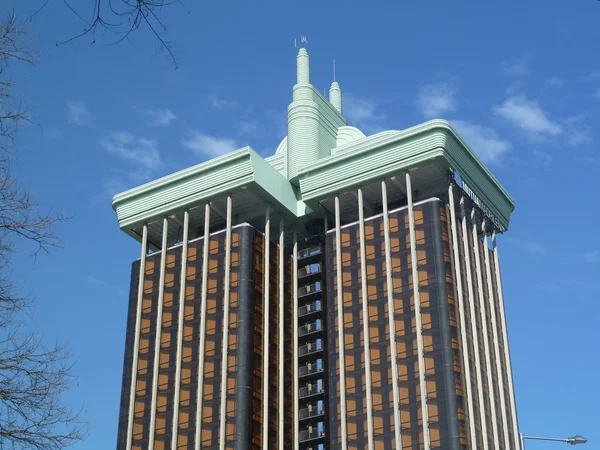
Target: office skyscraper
344,293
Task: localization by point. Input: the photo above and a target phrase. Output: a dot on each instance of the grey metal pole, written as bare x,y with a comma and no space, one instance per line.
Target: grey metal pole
573,440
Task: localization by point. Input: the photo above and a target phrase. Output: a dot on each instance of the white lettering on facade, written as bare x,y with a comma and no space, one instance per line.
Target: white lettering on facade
477,201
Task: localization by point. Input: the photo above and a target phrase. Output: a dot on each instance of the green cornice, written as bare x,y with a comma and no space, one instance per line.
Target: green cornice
241,169
388,153
355,163
320,157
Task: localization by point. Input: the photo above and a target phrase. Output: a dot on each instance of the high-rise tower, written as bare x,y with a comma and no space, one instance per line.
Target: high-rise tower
344,293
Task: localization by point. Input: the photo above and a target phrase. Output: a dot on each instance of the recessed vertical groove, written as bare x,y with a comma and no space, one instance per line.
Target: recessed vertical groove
499,374
266,318
224,360
511,388
475,336
203,297
136,344
462,319
295,331
161,294
391,319
340,317
180,316
483,318
365,311
418,319
281,339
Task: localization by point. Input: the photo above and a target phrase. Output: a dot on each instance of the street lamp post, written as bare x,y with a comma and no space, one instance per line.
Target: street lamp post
574,440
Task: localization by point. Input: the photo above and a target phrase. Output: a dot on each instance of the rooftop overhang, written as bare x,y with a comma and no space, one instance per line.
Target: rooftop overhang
433,149
242,173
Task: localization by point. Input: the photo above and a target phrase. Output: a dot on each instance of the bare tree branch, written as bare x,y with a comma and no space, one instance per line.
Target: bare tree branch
33,375
122,17
14,47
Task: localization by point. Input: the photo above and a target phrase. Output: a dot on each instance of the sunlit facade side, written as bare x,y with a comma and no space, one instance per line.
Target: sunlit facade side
164,420
343,293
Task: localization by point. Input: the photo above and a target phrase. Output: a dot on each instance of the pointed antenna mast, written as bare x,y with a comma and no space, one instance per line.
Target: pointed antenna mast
303,40
334,70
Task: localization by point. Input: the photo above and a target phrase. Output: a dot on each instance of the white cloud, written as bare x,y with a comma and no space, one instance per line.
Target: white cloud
436,99
210,145
516,69
483,140
220,103
141,153
577,132
251,127
554,83
278,122
530,246
587,160
543,158
592,257
79,114
159,117
95,281
514,87
591,76
362,113
113,186
527,115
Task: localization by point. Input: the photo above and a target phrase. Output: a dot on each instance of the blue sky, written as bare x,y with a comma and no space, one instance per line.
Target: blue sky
519,80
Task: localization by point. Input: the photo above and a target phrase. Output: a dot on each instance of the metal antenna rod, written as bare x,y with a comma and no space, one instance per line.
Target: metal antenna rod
334,70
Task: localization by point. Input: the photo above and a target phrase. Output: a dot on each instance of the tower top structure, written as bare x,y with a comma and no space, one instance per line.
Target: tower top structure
321,155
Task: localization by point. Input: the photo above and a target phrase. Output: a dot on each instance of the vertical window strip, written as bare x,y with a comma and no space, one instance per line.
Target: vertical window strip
484,328
418,319
461,309
474,330
499,373
161,292
365,313
225,334
391,319
136,344
295,331
266,318
184,252
280,286
340,316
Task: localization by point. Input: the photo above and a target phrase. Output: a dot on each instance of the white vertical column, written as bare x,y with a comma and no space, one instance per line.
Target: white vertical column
391,312
136,341
180,317
295,351
365,311
483,318
203,297
281,339
474,331
418,321
224,360
511,389
497,357
462,319
340,317
161,295
266,291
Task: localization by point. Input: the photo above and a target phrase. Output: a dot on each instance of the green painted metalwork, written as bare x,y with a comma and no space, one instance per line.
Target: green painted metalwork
319,158
389,153
241,169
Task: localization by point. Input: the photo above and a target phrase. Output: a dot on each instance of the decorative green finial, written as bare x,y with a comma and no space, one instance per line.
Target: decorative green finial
303,67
